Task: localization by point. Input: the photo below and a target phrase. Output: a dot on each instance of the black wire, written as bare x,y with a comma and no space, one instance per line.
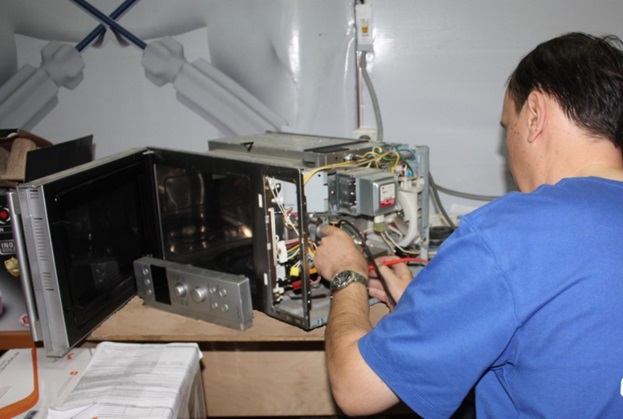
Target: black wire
370,256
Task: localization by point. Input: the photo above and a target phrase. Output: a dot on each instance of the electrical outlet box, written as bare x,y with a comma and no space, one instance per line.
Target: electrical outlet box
363,24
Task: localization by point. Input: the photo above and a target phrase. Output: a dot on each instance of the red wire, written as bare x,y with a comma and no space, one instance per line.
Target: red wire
401,260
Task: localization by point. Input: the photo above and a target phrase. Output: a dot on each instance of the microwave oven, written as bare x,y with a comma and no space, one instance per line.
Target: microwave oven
182,229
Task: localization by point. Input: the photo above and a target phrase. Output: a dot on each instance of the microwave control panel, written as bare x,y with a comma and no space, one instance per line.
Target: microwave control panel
203,294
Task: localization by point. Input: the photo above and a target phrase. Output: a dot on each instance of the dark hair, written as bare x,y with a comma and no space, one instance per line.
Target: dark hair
584,74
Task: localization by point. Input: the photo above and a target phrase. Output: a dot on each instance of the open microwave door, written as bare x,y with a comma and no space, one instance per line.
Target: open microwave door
80,230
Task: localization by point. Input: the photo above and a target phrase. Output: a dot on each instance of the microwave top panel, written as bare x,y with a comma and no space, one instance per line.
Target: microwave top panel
307,150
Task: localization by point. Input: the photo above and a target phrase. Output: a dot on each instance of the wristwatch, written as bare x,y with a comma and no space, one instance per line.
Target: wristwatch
345,278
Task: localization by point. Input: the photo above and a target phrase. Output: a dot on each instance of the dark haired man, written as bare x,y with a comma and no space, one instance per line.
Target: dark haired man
525,299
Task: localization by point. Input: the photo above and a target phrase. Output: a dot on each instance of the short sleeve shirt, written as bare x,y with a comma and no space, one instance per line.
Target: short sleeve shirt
525,301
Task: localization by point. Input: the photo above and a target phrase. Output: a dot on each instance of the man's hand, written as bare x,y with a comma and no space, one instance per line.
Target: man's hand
338,252
397,277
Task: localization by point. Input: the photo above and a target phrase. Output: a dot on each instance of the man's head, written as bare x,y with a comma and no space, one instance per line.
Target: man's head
584,74
563,109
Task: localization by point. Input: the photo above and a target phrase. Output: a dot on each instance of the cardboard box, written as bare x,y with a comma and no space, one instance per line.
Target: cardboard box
14,145
30,381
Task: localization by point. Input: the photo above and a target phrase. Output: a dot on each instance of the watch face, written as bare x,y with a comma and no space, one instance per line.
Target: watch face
342,279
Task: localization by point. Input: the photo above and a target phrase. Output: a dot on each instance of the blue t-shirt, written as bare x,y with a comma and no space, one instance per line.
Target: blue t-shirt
525,301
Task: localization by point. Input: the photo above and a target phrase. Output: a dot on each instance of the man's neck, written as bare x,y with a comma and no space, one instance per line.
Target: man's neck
602,169
583,156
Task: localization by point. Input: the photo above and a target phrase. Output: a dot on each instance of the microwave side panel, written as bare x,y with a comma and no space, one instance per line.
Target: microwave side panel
285,227
299,295
41,262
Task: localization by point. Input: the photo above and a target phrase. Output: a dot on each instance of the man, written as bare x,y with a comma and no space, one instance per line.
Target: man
525,299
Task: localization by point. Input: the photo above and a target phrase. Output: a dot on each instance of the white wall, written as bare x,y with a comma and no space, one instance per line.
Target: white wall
439,69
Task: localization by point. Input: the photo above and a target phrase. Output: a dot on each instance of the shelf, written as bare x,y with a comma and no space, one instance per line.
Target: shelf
141,323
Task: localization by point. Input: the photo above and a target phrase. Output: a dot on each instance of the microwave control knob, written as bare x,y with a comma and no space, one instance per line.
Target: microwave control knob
180,290
199,294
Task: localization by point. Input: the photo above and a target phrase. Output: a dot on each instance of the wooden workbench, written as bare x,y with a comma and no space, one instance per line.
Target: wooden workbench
270,369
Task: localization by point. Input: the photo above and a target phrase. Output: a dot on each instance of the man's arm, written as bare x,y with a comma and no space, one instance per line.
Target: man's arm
355,386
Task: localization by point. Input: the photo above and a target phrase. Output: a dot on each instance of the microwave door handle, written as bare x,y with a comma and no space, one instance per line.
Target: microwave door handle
24,270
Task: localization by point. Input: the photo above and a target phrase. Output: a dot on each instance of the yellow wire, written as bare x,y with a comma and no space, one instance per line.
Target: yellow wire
374,156
334,165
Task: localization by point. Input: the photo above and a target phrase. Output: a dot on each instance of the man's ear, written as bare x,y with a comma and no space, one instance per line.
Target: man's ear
535,107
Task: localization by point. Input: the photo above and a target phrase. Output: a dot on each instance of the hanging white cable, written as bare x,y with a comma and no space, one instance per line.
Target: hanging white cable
373,98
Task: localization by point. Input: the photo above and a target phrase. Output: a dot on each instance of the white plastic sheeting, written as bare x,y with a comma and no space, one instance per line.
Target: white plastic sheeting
294,56
439,69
